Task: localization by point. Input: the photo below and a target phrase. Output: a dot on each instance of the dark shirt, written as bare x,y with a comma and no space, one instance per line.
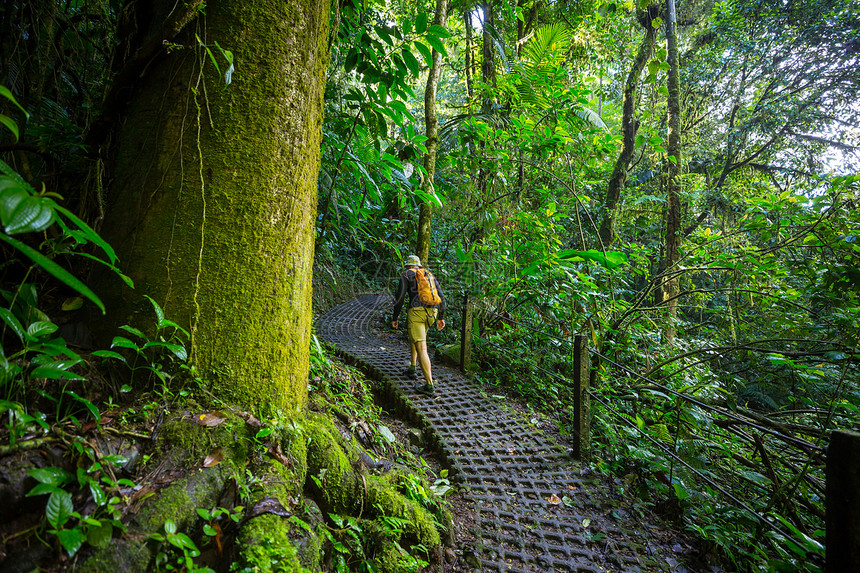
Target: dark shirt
408,285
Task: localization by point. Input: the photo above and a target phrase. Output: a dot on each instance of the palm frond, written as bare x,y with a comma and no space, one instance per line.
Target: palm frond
549,43
589,116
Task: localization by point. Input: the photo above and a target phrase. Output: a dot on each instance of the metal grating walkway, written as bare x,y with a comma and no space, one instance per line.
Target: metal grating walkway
515,476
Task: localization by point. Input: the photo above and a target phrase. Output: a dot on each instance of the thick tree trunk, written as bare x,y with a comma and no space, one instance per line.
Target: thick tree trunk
629,127
432,132
669,288
213,207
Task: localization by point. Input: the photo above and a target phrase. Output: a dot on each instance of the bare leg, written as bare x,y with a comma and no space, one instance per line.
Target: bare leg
424,360
414,352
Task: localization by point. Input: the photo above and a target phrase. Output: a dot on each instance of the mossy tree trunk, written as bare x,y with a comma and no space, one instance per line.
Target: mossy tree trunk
629,128
669,285
213,205
431,122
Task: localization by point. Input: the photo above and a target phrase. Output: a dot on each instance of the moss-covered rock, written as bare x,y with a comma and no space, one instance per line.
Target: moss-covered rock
128,555
267,547
338,481
185,442
179,501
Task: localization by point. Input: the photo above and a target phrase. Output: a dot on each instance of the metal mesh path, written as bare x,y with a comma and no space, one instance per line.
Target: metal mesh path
535,509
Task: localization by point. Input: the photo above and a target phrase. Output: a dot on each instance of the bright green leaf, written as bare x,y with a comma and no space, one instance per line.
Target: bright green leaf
59,508
421,23
10,125
71,540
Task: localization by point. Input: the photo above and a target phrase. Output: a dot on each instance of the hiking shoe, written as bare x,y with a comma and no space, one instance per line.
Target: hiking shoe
427,390
411,373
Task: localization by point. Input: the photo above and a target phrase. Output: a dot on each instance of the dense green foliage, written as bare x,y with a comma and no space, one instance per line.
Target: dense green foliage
765,331
734,379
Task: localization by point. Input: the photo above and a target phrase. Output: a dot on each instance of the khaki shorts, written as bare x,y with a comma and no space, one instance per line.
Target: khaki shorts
418,320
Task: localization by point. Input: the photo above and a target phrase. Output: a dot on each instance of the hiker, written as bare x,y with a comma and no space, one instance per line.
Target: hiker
425,308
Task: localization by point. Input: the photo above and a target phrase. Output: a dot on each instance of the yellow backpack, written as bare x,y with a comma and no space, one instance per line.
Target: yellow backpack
428,294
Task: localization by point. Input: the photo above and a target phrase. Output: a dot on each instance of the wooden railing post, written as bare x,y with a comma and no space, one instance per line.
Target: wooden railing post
842,499
466,335
581,402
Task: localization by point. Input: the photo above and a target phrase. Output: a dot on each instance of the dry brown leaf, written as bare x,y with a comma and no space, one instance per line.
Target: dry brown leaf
267,505
218,547
211,419
251,420
275,452
554,499
214,458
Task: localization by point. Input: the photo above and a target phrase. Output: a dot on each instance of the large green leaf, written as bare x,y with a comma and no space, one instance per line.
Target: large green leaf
421,23
41,328
12,322
426,53
411,62
59,508
71,540
12,174
437,44
12,194
29,216
54,373
51,476
55,269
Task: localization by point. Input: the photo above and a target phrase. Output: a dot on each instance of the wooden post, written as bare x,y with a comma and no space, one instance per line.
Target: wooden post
842,499
581,403
466,335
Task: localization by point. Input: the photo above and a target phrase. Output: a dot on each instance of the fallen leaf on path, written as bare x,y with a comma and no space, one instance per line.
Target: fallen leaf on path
554,499
211,419
214,458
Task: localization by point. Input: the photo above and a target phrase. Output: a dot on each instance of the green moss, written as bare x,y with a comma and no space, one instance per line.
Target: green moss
126,555
188,443
392,558
214,203
344,488
336,487
267,546
179,501
384,497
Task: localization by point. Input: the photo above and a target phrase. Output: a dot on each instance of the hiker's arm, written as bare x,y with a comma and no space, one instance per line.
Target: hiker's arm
398,301
441,314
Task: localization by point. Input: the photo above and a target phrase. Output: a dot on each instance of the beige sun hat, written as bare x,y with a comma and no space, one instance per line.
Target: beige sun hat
412,261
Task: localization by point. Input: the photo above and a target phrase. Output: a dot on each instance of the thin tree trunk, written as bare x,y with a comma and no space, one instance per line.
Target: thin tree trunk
629,127
213,208
669,288
488,76
432,131
467,17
